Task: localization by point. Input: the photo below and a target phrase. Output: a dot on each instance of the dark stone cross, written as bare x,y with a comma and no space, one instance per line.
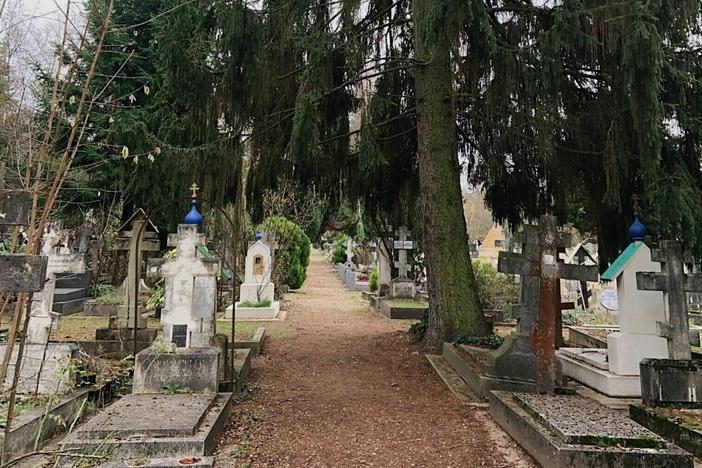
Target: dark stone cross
540,271
19,273
675,285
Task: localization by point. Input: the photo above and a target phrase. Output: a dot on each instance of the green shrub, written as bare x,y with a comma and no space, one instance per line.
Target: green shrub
293,255
490,341
418,329
102,289
495,290
339,254
373,279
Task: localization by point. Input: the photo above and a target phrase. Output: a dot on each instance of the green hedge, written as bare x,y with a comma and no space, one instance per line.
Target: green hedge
293,255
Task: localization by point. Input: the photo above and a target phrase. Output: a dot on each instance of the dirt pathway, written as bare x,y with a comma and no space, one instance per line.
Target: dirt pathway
340,386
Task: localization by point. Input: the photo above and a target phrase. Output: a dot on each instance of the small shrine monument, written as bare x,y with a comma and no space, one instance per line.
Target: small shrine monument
257,293
615,371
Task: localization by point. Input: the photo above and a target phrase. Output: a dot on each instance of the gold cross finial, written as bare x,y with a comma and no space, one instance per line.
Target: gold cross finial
193,190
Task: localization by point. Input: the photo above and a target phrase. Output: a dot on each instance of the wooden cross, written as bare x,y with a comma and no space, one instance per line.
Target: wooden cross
188,314
193,190
128,241
675,285
540,271
402,245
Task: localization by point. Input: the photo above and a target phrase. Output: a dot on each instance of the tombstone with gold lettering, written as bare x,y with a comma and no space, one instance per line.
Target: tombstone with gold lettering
257,292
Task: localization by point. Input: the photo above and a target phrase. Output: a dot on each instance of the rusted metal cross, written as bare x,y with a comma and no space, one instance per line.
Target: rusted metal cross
541,270
675,285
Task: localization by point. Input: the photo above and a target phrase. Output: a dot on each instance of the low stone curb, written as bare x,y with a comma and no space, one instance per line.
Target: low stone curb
668,428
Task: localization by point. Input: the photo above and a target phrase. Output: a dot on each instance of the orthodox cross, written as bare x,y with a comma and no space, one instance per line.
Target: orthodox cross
402,245
675,285
188,313
540,271
127,241
194,189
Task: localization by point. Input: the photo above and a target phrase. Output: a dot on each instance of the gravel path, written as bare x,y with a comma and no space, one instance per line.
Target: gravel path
341,386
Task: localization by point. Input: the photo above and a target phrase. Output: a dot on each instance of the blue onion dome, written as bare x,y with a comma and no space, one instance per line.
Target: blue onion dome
637,230
194,216
259,236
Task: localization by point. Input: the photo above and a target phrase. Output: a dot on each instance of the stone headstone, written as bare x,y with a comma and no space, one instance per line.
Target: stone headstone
258,286
384,266
42,318
403,286
187,318
675,285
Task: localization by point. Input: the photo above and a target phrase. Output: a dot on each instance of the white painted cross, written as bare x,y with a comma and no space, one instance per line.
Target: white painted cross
402,245
191,290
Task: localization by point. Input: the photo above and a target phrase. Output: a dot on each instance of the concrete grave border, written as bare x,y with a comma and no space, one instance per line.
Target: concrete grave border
26,426
255,343
668,428
550,451
202,443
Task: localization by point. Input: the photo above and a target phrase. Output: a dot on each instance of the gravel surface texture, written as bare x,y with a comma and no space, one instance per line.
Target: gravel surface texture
347,387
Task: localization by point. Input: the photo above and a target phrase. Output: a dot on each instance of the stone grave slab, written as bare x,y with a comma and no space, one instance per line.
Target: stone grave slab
152,415
578,420
573,431
154,426
681,425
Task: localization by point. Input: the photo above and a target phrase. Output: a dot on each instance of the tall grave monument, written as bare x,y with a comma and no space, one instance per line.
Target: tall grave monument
187,319
175,410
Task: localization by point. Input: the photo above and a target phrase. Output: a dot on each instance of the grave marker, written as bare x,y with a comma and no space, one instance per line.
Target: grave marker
674,284
403,286
540,271
191,293
128,241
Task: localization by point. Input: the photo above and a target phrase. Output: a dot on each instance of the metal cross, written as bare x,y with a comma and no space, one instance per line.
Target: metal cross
193,190
540,271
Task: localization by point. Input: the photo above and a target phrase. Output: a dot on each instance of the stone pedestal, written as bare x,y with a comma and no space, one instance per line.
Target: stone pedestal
627,351
671,382
191,370
251,292
57,375
402,289
254,313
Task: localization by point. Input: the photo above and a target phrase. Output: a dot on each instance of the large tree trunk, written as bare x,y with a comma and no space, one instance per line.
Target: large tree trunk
453,300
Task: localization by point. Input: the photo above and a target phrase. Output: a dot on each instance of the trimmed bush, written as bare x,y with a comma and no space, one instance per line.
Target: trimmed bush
293,255
373,279
339,254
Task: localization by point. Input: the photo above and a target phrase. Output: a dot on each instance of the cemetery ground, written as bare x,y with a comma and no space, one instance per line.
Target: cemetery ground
341,385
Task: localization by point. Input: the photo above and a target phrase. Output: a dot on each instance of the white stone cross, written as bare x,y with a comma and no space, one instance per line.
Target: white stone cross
402,245
191,291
